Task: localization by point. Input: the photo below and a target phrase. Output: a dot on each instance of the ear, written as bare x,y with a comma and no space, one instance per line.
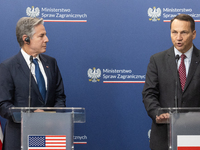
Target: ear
26,39
194,34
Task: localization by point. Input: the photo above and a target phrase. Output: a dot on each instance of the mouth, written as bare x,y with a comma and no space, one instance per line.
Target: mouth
179,44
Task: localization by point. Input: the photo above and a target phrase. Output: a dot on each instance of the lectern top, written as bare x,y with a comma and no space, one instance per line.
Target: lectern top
178,110
69,109
77,112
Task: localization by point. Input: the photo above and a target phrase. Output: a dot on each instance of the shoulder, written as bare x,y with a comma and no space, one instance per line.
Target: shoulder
12,60
160,56
47,57
196,51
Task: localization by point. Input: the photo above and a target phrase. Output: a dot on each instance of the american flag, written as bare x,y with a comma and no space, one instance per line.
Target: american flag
47,142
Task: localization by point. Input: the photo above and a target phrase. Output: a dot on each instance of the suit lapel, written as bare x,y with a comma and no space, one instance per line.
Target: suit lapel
23,67
48,74
174,71
172,63
193,66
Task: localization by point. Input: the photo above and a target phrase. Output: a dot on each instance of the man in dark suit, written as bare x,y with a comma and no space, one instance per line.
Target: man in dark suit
14,78
160,85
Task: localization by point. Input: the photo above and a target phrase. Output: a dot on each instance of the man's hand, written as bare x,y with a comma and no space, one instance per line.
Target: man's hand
39,110
163,118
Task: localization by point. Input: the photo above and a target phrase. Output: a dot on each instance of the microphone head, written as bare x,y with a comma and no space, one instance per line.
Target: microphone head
177,57
31,58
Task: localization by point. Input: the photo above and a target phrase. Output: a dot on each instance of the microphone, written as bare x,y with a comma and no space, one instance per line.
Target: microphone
177,57
30,75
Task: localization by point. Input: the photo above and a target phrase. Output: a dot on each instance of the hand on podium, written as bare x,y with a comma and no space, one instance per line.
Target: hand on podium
38,110
162,118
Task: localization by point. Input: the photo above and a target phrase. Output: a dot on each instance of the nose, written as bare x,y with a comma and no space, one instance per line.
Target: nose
46,39
179,37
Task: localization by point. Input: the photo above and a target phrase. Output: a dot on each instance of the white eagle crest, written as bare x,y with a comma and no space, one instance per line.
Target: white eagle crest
94,74
154,14
32,13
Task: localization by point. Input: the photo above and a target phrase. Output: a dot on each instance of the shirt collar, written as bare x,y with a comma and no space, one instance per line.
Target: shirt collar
188,54
27,56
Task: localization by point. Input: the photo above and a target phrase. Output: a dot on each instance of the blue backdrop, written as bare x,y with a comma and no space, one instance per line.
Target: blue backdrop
116,36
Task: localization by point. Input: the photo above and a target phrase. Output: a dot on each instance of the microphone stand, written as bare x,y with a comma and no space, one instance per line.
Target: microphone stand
30,75
177,78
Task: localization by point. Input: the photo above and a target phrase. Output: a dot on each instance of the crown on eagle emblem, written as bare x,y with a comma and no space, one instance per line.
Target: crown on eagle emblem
94,74
34,12
154,14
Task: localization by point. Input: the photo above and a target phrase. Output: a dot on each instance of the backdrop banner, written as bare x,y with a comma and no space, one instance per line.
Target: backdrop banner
103,48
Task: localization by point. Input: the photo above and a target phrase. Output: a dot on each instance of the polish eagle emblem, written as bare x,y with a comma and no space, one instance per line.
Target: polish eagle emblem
32,12
94,74
154,14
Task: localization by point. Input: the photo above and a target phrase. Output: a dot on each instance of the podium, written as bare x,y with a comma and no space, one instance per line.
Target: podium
183,128
52,128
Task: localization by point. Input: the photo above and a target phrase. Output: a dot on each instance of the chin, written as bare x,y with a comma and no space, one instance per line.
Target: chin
44,51
180,49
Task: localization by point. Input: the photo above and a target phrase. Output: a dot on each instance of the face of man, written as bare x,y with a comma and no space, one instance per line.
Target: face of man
182,35
39,41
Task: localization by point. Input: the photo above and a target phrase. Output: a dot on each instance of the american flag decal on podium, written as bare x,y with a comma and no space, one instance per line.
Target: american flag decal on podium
47,142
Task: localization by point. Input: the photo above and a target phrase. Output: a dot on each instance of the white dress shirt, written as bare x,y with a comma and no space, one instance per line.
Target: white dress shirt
27,59
187,60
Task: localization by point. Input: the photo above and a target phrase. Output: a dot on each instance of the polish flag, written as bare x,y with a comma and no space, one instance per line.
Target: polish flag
188,142
1,137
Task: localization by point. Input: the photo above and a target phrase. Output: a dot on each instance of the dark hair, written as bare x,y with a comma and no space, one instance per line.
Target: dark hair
185,17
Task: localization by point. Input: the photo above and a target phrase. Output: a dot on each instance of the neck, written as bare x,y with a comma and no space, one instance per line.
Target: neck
26,49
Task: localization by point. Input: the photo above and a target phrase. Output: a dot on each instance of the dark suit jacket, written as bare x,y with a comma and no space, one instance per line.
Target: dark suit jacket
159,90
14,91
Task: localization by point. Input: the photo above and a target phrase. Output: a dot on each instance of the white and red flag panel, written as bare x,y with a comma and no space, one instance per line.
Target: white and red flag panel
188,142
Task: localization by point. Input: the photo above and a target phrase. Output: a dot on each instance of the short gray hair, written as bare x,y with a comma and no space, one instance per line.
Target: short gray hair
26,26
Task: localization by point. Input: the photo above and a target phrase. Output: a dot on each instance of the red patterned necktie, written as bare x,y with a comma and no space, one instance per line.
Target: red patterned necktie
182,72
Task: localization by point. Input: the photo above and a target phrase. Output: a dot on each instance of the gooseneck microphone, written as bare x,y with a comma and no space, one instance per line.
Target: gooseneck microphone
30,75
177,57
